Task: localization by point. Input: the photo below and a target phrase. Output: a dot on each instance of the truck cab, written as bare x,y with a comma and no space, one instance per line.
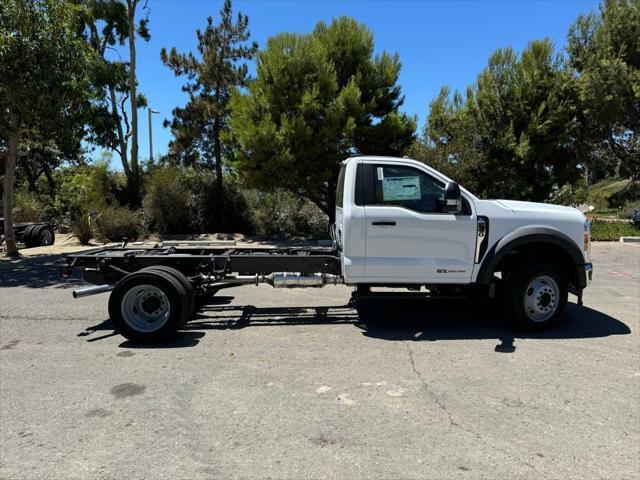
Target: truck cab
402,223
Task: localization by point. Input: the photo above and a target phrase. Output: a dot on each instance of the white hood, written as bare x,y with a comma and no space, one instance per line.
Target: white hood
518,206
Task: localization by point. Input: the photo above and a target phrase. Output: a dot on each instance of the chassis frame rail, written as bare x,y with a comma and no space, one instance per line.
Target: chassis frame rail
108,265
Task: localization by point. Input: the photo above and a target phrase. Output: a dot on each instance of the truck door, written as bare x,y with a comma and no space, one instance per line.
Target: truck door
408,236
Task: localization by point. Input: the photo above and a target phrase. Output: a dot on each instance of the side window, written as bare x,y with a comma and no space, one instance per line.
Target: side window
340,188
407,187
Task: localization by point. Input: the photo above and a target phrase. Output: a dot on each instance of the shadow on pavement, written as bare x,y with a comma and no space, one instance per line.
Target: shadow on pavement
35,272
182,340
393,320
464,320
416,320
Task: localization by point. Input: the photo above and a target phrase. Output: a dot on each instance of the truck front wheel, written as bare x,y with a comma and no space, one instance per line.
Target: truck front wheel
535,296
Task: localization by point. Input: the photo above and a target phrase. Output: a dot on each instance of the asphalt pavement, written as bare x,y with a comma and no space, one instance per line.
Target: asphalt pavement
296,384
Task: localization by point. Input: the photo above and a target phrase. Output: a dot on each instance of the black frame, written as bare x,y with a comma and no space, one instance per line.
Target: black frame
111,264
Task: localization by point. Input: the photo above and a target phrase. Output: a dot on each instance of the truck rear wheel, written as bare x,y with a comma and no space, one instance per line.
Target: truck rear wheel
43,235
535,296
184,281
27,236
38,235
148,306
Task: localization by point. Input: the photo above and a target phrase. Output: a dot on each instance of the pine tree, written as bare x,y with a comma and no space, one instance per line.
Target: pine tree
213,73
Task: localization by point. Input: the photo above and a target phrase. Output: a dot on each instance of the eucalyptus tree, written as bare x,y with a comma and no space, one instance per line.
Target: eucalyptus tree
109,25
43,80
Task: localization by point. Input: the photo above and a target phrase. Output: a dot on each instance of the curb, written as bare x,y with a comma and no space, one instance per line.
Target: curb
629,239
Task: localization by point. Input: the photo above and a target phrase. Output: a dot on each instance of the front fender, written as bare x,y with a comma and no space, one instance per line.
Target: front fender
522,236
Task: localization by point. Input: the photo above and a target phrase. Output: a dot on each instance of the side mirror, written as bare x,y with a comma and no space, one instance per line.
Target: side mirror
452,198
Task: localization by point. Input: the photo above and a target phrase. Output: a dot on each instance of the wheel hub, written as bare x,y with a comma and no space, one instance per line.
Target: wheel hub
145,308
541,298
45,237
151,304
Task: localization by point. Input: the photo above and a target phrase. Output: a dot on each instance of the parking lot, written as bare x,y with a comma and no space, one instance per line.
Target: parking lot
269,383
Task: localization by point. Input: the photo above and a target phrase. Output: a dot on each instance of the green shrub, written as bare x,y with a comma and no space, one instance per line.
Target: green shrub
26,207
310,220
628,209
211,215
169,202
238,216
624,196
283,213
81,225
567,195
602,230
85,188
183,200
115,223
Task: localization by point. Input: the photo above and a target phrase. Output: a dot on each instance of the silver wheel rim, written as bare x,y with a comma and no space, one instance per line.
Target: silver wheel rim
145,308
541,298
45,237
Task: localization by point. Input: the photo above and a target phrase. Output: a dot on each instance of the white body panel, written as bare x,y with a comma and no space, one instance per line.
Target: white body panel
431,247
420,248
350,230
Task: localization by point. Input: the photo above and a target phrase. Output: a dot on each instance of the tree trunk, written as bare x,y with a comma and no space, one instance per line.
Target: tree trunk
122,141
219,186
31,177
9,177
134,181
50,181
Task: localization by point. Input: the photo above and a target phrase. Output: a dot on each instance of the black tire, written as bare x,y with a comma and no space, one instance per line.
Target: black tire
184,281
43,235
183,291
535,296
153,281
27,236
35,235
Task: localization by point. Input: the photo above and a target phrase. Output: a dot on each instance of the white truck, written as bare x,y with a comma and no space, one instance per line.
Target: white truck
399,223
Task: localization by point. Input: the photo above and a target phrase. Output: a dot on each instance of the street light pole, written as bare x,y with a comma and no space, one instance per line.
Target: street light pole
151,110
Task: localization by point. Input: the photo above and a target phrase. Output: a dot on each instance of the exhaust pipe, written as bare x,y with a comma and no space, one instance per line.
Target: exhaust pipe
292,280
281,280
85,292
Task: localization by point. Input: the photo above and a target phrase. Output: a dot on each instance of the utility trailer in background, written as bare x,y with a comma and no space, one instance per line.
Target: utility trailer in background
155,289
34,234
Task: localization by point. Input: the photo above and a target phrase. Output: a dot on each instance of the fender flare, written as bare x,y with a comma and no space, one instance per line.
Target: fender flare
523,236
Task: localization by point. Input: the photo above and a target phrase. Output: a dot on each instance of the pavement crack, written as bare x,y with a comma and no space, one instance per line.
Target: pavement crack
452,422
497,449
429,390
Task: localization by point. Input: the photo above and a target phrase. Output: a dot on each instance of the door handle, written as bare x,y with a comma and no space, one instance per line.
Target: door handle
386,224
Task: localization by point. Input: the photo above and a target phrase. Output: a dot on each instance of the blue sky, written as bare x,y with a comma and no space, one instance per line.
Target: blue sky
439,42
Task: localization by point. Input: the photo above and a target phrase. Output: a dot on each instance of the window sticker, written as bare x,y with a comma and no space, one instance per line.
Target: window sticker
401,188
380,173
